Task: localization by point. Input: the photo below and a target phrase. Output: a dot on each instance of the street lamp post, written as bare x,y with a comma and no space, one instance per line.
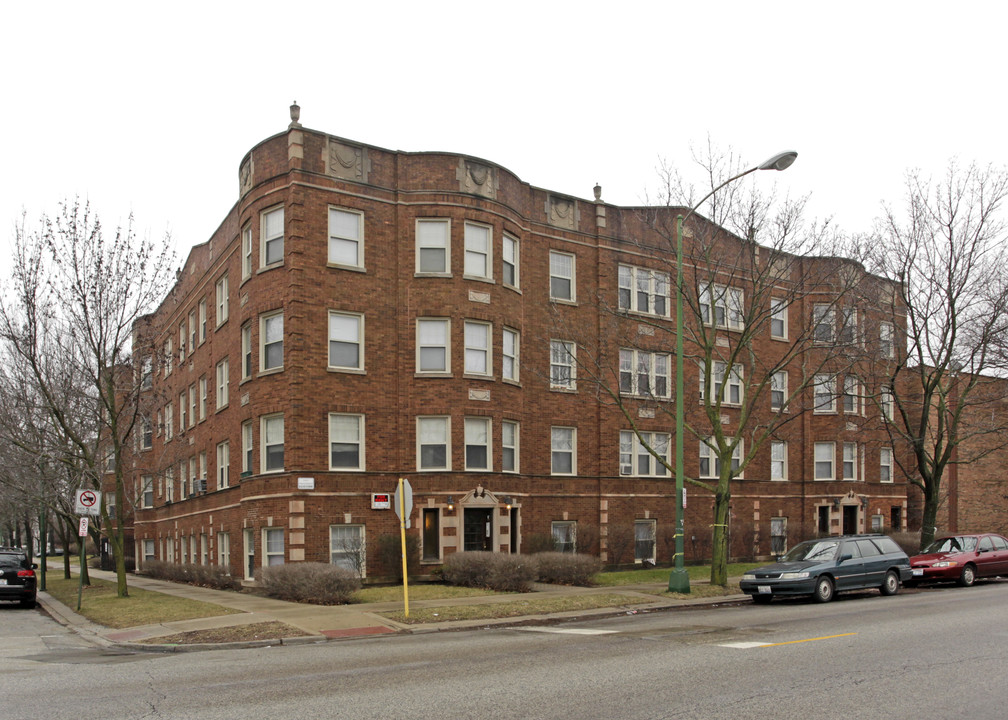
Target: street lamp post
679,579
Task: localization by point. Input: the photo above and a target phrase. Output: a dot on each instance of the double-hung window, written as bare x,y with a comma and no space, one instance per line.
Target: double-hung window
886,402
346,238
886,345
848,326
147,499
563,449
273,546
562,285
510,261
823,323
885,465
824,394
634,456
192,331
710,461
644,291
202,320
271,342
509,446
478,244
346,335
247,447
202,397
509,355
851,395
247,252
850,461
223,465
433,246
346,548
433,447
644,373
246,351
346,442
273,237
272,434
478,453
727,386
432,345
778,460
778,319
778,390
223,381
222,300
563,365
721,306
477,348
824,454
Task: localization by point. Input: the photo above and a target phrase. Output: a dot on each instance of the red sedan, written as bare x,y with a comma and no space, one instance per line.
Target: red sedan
961,558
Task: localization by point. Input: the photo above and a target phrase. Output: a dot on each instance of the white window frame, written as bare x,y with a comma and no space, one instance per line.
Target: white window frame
146,373
223,304
337,334
444,345
824,456
645,531
510,354
202,397
192,405
779,385
886,402
851,395
635,364
271,241
778,315
246,351
223,383
724,384
563,357
849,462
169,484
168,355
564,534
348,243
146,433
722,306
887,343
478,433
169,421
885,465
510,442
634,458
644,291
563,441
339,425
267,321
223,550
182,412
202,321
192,331
511,255
478,357
271,431
556,272
778,461
247,252
429,240
146,491
223,465
273,546
823,389
708,453
478,257
823,323
848,333
248,448
349,553
425,425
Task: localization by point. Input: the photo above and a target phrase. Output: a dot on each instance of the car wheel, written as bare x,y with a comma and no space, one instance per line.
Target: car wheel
824,590
762,599
891,584
968,575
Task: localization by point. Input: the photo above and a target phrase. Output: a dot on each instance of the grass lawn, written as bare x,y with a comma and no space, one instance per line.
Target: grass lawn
100,605
661,575
417,591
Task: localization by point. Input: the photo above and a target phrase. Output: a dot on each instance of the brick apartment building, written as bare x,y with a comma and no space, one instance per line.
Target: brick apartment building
362,315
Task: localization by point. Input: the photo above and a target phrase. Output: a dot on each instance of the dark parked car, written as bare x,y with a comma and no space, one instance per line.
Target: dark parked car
821,568
962,559
17,577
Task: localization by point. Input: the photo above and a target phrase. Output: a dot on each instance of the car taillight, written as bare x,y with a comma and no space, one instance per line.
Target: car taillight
26,573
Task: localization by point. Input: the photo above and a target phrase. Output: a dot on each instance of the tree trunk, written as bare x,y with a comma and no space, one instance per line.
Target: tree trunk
719,546
930,513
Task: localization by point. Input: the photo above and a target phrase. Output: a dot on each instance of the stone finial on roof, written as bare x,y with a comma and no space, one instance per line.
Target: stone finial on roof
295,114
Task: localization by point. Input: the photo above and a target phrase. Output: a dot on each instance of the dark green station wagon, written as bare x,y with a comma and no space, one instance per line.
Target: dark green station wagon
823,567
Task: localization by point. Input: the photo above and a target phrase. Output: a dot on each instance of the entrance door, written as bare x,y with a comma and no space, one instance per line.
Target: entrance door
850,519
477,532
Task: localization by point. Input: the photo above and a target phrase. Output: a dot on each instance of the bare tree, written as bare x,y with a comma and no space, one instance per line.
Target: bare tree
948,248
754,270
73,299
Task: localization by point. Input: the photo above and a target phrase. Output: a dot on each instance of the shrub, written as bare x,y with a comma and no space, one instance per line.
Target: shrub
908,541
308,582
494,571
567,568
390,554
213,576
538,543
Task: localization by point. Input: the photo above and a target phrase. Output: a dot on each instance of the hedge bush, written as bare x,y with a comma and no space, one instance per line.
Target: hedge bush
567,568
494,571
309,582
212,576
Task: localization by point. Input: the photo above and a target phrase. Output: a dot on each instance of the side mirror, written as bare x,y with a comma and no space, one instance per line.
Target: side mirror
845,556
34,566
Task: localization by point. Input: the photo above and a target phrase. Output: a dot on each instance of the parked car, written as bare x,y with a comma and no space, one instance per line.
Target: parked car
17,577
961,559
821,568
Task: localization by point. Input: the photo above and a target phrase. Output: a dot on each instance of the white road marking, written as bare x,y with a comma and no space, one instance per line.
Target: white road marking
567,631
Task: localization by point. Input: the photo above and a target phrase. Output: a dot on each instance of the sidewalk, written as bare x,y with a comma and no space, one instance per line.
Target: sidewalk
329,622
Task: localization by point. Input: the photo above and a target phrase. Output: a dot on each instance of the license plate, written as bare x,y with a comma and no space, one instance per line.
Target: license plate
763,589
3,581
917,572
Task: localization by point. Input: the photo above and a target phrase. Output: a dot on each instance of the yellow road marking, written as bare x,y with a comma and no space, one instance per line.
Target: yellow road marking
825,637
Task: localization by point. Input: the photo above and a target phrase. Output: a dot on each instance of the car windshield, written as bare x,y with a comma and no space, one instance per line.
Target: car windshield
960,543
10,561
818,550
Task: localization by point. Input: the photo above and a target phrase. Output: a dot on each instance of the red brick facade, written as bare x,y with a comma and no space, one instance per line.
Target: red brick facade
303,509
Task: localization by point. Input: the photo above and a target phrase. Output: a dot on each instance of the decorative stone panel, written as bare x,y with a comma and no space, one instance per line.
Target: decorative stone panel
347,162
477,178
562,212
245,173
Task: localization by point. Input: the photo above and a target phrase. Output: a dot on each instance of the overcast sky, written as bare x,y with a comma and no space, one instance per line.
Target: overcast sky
150,107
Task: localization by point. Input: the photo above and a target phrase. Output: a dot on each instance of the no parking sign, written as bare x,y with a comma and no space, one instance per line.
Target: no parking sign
88,502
